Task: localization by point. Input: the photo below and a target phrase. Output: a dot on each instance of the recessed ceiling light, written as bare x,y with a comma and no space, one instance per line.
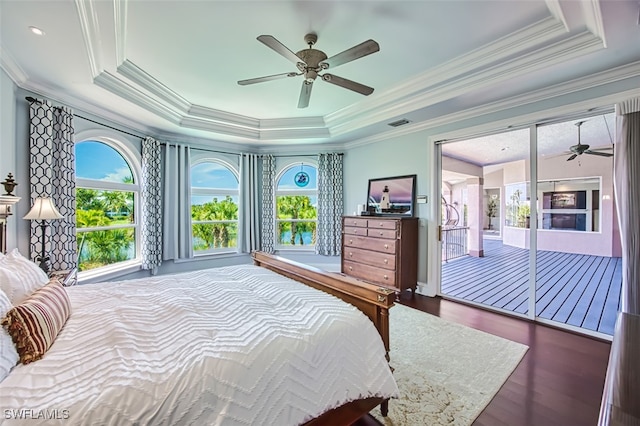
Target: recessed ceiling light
36,31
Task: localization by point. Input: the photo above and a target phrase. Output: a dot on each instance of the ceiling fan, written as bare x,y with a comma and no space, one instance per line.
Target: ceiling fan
310,62
580,149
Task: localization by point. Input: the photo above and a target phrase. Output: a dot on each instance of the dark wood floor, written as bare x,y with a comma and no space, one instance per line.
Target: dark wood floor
575,289
558,382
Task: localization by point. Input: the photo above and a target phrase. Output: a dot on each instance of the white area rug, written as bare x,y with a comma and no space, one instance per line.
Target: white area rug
447,373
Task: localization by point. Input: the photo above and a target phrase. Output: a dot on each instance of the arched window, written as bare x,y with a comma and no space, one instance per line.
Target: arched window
214,207
297,206
107,200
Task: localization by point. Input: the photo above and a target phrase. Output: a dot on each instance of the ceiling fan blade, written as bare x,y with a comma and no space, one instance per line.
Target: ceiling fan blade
273,43
602,154
572,157
363,49
348,84
267,78
305,94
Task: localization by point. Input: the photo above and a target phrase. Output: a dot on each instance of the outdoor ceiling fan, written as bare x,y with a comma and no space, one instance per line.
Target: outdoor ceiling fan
580,149
310,62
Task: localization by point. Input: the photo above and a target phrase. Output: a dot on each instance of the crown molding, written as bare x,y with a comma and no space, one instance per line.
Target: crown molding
219,116
143,79
525,39
556,11
221,127
11,67
593,17
126,91
569,48
89,26
542,44
120,8
606,77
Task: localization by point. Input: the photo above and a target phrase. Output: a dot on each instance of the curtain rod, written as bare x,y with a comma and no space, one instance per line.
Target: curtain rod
201,149
110,127
31,99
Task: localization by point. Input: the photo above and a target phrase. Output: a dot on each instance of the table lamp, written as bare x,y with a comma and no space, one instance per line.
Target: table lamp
43,210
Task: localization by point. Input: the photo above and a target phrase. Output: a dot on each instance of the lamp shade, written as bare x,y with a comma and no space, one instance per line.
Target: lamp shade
43,209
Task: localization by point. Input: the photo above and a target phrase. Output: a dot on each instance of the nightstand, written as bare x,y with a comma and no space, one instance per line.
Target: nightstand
67,277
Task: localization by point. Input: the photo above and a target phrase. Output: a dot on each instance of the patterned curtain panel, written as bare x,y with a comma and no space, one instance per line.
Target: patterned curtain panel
151,186
627,193
330,204
176,235
268,204
52,170
249,203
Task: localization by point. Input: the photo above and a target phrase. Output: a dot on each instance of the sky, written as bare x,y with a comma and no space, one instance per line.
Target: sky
96,160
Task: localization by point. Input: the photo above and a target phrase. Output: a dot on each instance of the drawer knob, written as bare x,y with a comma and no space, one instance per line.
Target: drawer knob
381,233
355,223
350,241
386,277
355,231
386,246
386,261
350,254
381,223
351,268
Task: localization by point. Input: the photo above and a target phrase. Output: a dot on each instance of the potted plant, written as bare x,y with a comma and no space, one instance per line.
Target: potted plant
492,210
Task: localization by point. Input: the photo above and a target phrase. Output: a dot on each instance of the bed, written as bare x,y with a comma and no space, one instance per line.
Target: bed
248,344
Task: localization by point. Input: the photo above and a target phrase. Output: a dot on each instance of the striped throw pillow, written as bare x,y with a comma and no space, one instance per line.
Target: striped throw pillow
36,322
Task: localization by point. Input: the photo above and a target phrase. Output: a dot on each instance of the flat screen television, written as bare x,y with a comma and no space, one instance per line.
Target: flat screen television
392,196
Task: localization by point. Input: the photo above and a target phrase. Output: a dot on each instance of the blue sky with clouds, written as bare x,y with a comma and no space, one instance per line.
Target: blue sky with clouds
96,160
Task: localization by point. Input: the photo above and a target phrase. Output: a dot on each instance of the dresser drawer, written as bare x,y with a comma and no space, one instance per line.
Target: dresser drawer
369,273
382,233
354,221
381,260
352,230
369,243
381,224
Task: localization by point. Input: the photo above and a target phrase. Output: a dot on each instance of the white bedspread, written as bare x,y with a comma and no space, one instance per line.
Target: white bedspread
228,346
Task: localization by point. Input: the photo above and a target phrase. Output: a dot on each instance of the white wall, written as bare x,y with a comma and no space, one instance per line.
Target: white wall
403,155
8,148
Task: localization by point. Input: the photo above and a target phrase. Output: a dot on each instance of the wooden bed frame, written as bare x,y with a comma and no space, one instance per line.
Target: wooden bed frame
372,300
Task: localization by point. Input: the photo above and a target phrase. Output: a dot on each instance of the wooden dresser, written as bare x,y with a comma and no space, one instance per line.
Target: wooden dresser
381,250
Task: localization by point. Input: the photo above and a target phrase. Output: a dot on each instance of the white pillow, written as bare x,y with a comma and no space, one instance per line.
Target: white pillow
20,277
8,353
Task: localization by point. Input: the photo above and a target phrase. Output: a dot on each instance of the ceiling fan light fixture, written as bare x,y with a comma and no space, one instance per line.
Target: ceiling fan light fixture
310,76
312,61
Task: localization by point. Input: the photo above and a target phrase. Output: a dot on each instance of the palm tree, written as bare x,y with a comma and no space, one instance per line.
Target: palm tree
214,235
89,219
296,207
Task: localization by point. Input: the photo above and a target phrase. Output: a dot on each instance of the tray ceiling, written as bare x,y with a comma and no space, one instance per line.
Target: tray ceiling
172,67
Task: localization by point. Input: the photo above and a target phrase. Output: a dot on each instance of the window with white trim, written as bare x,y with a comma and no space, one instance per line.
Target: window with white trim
296,206
107,200
214,207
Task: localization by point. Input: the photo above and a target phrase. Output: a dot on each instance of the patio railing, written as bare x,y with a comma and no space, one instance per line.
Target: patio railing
454,242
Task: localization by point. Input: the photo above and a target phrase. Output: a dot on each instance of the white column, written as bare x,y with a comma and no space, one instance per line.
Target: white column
475,215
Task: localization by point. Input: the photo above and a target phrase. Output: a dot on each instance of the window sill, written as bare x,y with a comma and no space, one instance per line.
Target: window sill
108,273
211,256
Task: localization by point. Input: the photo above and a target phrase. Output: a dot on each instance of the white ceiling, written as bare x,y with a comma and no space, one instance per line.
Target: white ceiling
171,66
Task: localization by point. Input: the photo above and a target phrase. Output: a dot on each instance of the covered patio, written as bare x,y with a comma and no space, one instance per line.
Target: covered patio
575,289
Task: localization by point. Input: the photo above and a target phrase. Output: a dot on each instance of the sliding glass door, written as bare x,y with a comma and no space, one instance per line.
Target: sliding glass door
578,256
485,220
528,223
